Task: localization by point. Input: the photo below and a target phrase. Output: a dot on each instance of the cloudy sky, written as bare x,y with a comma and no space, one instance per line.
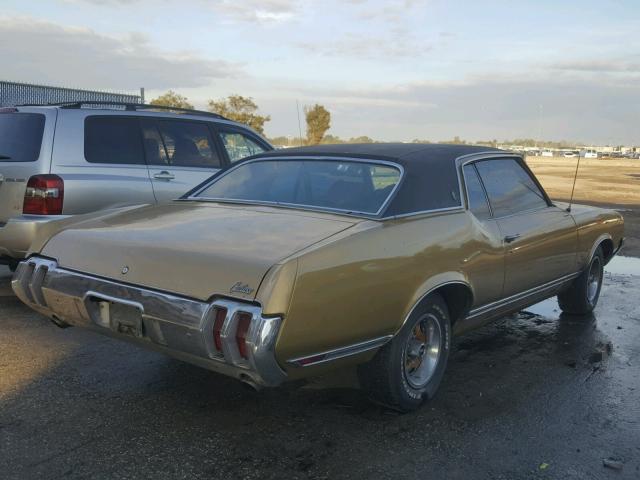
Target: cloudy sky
392,70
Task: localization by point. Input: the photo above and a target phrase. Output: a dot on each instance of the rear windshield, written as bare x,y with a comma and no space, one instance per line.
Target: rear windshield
20,136
348,186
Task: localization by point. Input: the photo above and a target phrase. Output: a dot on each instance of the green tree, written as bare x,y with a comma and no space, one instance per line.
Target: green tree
333,139
318,122
172,99
240,109
361,139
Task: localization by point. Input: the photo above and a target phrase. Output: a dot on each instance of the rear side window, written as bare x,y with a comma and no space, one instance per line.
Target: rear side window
114,140
475,193
185,144
20,136
509,187
239,146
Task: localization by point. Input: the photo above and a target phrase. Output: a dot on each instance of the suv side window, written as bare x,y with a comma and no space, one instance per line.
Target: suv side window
181,144
113,139
475,193
510,187
239,146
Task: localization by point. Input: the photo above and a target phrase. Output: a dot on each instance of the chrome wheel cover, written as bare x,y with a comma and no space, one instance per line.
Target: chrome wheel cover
422,351
594,280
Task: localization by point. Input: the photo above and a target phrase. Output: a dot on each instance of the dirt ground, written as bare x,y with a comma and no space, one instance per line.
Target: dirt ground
613,183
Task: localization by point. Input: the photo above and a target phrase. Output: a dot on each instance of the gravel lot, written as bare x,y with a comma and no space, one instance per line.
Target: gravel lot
532,396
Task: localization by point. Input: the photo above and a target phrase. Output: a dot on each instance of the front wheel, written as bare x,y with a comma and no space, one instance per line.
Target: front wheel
582,295
408,370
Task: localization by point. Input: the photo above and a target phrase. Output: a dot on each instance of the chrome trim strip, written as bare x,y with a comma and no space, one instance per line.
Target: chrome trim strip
424,212
400,168
520,296
337,353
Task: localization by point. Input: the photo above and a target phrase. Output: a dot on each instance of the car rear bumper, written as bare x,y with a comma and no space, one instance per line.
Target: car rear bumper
18,233
171,324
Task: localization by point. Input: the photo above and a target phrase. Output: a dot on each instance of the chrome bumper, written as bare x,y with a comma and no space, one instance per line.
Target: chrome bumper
171,324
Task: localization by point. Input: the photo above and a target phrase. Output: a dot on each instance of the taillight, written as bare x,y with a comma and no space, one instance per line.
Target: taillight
244,322
221,314
44,195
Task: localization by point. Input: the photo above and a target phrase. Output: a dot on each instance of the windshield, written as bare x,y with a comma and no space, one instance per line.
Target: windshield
349,186
20,136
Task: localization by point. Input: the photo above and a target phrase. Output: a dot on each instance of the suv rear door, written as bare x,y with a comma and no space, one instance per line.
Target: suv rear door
180,154
101,159
26,139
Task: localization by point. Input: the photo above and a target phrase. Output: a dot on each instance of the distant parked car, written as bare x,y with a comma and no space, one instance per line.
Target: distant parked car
570,154
76,158
590,154
294,262
546,153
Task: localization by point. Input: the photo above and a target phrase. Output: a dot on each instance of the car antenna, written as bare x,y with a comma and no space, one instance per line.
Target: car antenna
575,177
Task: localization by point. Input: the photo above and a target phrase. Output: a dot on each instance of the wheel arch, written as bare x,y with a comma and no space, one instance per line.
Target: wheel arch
606,242
457,294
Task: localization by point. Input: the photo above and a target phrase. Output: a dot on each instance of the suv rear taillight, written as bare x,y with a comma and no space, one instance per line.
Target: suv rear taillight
44,195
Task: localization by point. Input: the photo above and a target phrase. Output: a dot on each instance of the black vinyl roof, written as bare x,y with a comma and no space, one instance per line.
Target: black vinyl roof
430,179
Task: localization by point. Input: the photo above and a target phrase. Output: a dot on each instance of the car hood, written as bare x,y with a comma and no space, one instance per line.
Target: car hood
193,249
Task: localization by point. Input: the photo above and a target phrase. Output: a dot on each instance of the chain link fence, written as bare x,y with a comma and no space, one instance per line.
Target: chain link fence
13,93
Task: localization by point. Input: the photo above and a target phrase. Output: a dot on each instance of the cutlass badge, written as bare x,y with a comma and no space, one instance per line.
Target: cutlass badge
240,287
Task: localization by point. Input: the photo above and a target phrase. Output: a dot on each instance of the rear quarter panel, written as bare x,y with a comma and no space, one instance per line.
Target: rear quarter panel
364,285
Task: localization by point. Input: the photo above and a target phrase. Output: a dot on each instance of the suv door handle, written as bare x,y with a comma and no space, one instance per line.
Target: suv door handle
164,175
511,238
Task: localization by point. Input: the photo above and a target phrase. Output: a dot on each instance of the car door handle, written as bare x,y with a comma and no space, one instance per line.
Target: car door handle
164,175
511,238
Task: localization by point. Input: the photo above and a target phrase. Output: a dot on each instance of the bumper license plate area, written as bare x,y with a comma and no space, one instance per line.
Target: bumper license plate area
126,319
120,317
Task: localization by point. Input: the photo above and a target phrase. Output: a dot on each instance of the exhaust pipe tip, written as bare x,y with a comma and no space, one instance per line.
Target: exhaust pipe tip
249,382
58,322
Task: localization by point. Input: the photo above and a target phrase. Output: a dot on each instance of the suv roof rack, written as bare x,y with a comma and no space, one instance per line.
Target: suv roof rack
127,106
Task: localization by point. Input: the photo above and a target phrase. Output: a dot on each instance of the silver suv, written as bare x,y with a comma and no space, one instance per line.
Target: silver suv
69,159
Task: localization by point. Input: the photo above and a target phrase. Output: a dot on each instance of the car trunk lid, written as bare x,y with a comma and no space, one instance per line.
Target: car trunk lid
26,138
192,248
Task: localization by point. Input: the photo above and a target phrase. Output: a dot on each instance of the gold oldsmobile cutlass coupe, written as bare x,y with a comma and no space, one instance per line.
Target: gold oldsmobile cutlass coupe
296,261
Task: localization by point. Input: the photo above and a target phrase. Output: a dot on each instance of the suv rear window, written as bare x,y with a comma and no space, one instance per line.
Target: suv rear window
113,139
20,136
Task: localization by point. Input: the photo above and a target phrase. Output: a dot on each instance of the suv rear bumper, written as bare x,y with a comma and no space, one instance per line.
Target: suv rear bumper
18,233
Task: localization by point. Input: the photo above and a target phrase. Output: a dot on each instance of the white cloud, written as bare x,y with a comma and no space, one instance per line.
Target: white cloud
44,52
262,11
370,47
600,66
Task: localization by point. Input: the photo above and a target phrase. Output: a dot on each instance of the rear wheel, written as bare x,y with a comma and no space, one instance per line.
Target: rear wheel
583,294
408,370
